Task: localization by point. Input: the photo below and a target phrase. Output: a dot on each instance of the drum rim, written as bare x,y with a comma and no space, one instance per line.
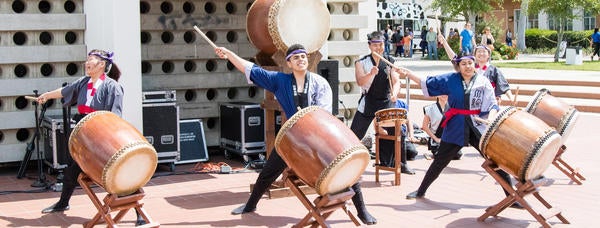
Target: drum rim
532,106
340,158
535,153
380,112
291,121
117,157
273,26
567,119
493,126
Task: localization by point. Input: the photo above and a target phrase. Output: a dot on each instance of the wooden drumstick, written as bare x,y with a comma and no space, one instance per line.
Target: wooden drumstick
486,122
31,98
515,98
205,37
385,60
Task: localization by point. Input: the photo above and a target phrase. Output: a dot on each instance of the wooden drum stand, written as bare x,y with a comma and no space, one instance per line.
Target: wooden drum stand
396,137
322,207
567,169
112,203
523,189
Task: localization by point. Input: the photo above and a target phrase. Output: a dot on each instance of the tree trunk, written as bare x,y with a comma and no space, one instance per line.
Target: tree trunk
522,26
559,39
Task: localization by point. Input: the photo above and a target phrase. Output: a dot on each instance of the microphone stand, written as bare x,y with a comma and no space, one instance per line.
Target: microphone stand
41,181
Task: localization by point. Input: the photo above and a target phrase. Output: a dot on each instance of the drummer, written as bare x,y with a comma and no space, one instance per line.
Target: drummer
294,91
469,95
98,90
377,91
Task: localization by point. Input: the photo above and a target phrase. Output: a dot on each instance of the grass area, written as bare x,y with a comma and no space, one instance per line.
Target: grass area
561,65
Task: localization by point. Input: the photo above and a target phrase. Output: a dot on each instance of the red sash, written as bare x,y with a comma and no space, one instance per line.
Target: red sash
454,111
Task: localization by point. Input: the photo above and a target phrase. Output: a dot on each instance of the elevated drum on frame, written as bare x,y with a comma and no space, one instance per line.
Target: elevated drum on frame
321,150
553,112
520,143
112,152
386,117
277,24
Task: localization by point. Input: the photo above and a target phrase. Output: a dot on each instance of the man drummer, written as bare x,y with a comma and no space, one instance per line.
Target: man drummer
293,91
377,91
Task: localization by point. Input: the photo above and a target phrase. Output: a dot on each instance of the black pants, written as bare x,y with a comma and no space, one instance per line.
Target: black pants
446,152
360,124
596,49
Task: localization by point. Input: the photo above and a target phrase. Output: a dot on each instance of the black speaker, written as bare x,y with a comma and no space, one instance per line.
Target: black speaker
161,129
330,71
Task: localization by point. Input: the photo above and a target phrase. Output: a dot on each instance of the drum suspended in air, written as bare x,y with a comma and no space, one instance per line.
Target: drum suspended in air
321,150
112,152
553,112
277,24
520,143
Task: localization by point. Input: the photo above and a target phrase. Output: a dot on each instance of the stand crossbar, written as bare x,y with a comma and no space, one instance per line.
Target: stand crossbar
566,168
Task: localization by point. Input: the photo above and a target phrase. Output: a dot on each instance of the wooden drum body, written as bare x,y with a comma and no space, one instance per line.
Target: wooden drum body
553,112
520,143
277,24
387,117
322,150
112,152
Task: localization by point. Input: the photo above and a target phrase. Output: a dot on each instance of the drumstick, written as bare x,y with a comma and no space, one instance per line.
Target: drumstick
476,118
31,98
515,98
389,76
205,37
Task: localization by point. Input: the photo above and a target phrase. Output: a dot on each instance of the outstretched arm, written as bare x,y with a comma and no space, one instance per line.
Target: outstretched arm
236,60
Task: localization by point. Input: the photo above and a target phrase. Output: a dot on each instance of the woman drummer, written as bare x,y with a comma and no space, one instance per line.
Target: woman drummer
98,90
293,91
469,95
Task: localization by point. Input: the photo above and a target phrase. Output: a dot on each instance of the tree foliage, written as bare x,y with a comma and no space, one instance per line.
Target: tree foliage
562,11
464,8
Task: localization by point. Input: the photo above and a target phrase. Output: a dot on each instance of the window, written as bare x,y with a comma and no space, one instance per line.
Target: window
533,21
589,21
553,24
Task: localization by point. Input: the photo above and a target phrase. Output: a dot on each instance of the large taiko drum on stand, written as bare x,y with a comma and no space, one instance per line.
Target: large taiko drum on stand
553,112
520,143
112,152
277,24
321,150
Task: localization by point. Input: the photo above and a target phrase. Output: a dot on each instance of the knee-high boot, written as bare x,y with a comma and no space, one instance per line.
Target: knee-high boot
361,209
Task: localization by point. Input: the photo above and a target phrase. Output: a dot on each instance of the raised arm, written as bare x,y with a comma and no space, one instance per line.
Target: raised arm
447,47
236,60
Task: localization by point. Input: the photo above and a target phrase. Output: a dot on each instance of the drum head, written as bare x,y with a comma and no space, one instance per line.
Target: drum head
299,22
129,169
544,152
344,171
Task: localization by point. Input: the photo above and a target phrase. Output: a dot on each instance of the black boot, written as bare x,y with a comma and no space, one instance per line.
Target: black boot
63,202
140,220
361,210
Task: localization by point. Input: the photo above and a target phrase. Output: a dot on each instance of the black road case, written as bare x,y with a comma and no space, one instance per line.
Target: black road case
55,142
161,127
192,141
242,129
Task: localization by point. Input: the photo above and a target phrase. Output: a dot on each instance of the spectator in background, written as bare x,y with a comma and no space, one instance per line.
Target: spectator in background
487,39
508,38
397,40
407,40
467,40
451,33
423,43
431,39
595,42
412,36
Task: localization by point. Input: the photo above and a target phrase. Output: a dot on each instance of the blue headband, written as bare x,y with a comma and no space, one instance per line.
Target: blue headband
108,56
375,41
297,51
457,60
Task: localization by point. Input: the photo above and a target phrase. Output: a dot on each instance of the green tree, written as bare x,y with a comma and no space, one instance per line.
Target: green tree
562,11
465,8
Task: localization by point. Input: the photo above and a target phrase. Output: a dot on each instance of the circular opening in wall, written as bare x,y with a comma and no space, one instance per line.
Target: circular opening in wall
189,66
1,136
252,91
347,87
329,8
45,38
188,7
168,66
144,7
145,37
72,69
232,36
330,36
189,37
22,134
348,114
211,123
20,70
46,69
166,7
44,6
347,61
146,67
209,7
211,35
230,8
347,34
211,94
211,65
70,6
70,37
232,93
248,6
20,38
49,103
21,102
230,66
0,104
190,95
347,8
166,37
18,6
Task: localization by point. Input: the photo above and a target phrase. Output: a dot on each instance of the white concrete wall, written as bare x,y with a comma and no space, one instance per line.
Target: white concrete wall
115,25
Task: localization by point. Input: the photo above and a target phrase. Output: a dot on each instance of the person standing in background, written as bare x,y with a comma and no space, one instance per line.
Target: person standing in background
487,39
467,40
595,42
431,39
508,38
